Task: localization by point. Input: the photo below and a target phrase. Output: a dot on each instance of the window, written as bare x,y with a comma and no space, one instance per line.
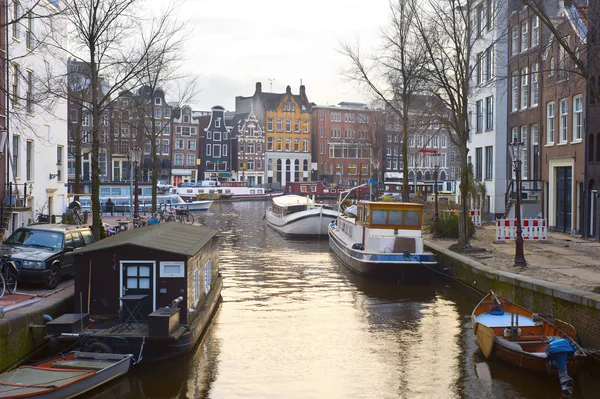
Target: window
102,163
488,64
217,150
167,113
550,123
564,117
15,83
524,88
179,159
29,33
577,118
105,120
489,162
479,72
563,67
524,37
488,15
535,31
104,137
191,145
288,125
250,148
515,91
196,286
322,113
157,113
165,147
535,93
551,67
217,136
85,137
279,125
524,158
86,120
478,163
270,124
489,113
208,150
29,161
179,144
15,16
29,99
515,41
191,160
269,143
419,141
480,19
157,101
207,277
411,140
479,122
443,140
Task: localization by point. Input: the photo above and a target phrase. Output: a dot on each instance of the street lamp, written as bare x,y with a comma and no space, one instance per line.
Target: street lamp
515,153
136,156
436,216
375,163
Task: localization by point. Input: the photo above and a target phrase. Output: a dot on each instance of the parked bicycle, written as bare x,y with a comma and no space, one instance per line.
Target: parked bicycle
184,216
168,215
9,276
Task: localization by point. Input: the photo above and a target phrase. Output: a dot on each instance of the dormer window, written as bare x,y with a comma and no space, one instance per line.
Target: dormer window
186,118
158,101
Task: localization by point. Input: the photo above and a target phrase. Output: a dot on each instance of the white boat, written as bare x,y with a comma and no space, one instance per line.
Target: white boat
226,190
196,205
295,215
382,239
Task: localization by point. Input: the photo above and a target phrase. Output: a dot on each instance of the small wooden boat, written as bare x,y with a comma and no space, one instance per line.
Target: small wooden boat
63,377
519,337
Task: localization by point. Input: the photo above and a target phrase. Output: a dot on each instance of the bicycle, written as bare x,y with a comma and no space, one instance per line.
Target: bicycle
9,277
167,215
184,216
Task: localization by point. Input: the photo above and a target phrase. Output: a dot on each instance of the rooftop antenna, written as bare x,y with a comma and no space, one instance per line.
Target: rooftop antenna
271,85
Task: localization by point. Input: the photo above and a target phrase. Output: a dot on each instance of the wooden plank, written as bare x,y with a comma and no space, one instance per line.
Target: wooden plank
485,338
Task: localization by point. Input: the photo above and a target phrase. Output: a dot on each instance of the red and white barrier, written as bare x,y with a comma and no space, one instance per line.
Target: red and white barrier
475,215
533,229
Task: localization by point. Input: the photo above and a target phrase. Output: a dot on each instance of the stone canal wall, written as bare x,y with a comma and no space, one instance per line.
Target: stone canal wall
574,306
22,331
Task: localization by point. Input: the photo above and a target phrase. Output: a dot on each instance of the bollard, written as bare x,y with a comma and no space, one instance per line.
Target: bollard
85,217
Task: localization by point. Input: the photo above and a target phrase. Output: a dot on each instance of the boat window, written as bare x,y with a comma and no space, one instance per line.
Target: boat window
303,189
313,189
411,218
395,217
379,217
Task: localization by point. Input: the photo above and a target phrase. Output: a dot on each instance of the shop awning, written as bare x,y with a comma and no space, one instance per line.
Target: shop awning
224,174
181,172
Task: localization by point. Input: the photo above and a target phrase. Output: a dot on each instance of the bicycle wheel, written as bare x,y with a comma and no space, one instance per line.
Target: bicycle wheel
171,218
11,280
2,286
189,218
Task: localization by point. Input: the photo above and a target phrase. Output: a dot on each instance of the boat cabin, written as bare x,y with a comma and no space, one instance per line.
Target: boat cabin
149,268
390,215
289,204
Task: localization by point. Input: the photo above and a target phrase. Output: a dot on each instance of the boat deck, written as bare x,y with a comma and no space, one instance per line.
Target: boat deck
134,330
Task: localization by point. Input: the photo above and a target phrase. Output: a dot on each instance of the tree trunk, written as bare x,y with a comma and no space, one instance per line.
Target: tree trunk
154,175
78,156
463,237
405,187
95,198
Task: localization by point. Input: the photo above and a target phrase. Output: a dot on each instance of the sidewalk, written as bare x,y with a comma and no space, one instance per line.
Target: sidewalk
562,259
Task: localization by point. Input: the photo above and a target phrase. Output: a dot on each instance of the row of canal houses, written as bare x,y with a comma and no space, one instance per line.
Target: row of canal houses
525,88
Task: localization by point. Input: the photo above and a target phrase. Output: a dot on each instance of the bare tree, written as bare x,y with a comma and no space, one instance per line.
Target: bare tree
396,73
371,132
106,37
445,32
160,72
578,56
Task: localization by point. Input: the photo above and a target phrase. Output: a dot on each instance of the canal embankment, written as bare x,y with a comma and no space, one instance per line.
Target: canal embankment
575,306
22,329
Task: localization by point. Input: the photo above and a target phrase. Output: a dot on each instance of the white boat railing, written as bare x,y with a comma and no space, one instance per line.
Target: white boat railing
347,192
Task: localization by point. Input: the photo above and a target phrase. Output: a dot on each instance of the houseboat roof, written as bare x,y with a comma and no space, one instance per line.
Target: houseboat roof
291,200
176,238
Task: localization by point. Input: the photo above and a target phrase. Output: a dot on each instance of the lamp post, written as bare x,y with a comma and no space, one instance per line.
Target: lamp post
376,175
136,155
515,152
436,216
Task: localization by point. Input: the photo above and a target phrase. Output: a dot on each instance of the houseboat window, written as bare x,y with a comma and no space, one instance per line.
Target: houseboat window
395,217
115,191
313,189
172,269
303,189
252,191
196,285
207,277
147,191
379,217
104,191
411,218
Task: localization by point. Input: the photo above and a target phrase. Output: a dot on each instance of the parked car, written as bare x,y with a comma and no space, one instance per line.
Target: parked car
162,185
43,252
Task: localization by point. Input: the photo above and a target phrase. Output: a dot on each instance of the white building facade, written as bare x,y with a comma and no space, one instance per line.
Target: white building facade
37,121
488,100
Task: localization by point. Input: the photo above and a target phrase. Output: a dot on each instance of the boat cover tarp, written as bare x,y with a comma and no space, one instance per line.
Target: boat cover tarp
492,320
43,379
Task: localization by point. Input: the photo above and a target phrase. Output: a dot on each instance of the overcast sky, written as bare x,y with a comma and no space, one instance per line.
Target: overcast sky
236,43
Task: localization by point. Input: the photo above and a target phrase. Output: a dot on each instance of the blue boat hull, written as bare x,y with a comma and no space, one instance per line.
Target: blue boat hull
383,265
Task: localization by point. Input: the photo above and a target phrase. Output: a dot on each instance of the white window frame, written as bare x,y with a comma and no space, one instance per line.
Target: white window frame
577,118
564,120
550,123
178,274
524,88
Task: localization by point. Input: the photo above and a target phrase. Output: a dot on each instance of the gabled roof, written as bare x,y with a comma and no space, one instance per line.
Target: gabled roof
176,238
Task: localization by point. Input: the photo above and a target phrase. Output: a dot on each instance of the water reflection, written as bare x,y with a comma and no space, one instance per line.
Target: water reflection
295,323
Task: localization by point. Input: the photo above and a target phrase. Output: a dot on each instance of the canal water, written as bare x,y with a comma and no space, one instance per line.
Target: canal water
295,323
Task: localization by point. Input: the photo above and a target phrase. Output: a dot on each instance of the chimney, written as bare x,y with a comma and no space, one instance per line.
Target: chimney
303,92
288,90
258,88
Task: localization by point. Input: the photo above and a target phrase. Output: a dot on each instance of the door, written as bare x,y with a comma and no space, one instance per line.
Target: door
137,278
563,199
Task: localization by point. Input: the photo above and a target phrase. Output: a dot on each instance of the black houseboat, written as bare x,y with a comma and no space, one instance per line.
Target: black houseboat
150,292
